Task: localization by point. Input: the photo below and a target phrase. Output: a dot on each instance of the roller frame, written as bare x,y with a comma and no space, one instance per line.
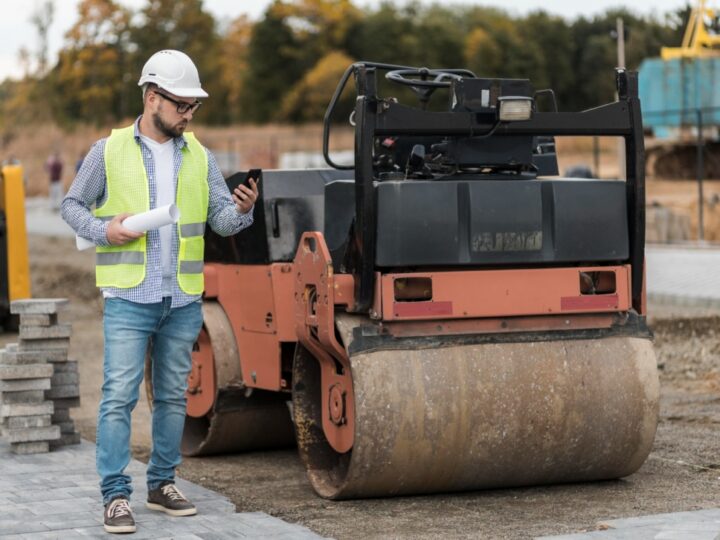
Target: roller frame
315,326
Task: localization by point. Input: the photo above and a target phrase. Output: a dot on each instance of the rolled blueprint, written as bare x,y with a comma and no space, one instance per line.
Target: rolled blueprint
147,221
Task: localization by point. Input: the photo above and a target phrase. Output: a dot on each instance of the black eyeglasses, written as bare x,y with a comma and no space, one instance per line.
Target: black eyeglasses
182,107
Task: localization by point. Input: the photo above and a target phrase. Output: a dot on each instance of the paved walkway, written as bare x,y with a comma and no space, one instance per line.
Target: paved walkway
56,496
686,275
699,525
41,219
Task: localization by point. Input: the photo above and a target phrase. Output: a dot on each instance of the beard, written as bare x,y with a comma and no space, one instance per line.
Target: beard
167,129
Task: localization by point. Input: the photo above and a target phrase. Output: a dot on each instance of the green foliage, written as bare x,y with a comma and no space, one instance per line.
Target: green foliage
233,64
309,98
286,65
87,81
274,65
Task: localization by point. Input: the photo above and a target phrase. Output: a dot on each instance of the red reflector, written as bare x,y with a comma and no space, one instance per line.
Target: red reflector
422,309
599,301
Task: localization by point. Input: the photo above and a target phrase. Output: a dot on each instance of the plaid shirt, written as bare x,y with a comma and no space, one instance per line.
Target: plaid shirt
89,187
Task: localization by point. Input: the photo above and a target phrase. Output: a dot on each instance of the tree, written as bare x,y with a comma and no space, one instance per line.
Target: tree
308,100
41,19
552,37
504,49
289,41
234,49
320,26
482,53
88,79
387,35
272,66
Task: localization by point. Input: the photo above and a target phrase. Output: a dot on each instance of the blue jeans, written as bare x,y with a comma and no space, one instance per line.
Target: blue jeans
129,327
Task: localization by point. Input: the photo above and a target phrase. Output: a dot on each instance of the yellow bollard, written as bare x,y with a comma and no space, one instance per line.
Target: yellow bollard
12,203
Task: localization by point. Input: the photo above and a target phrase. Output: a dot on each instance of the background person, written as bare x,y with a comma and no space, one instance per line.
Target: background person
54,168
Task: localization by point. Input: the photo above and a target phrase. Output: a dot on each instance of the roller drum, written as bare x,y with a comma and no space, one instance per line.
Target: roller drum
240,416
485,416
258,424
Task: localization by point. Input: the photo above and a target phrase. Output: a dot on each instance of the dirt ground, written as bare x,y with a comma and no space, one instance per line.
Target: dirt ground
682,472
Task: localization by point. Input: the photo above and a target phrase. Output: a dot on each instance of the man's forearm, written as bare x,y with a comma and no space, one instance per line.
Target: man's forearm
82,221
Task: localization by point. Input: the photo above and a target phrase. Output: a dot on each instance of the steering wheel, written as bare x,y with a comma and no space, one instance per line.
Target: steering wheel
424,81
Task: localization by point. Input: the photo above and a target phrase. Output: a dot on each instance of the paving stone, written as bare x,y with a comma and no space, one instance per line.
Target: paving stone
38,306
220,536
16,356
48,433
67,366
19,385
66,403
64,378
73,520
63,391
21,422
60,415
65,427
16,526
23,448
27,371
66,439
51,344
38,320
661,519
26,409
45,332
182,537
26,396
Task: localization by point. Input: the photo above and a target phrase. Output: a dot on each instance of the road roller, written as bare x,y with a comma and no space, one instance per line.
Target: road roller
444,313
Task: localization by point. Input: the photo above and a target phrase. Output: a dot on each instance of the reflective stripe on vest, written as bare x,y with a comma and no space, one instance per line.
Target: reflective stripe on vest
128,191
192,229
120,257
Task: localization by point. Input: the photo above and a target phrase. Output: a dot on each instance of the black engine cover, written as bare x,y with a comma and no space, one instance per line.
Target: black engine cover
501,222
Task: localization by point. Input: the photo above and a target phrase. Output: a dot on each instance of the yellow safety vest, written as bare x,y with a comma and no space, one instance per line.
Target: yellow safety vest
128,191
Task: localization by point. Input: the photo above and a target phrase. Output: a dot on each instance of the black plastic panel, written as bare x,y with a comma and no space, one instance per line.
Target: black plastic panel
500,222
290,203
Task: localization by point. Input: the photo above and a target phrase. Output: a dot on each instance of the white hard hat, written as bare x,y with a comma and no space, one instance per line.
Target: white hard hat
174,72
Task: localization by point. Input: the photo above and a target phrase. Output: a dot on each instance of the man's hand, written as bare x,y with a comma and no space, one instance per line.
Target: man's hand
245,197
118,235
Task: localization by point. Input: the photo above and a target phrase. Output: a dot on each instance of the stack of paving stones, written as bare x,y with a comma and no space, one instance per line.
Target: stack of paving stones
42,355
24,412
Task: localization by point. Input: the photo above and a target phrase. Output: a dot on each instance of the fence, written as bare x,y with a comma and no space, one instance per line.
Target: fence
679,125
271,147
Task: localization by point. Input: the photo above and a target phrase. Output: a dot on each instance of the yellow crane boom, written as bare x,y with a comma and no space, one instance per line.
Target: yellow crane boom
700,39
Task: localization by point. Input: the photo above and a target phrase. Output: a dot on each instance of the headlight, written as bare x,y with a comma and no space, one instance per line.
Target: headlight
515,108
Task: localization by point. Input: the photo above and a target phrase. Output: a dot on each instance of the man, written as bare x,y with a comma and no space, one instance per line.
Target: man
152,283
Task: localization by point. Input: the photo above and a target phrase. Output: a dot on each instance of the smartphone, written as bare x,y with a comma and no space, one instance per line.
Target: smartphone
255,174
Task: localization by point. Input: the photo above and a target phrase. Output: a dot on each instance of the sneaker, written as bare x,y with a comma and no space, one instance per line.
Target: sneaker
118,517
167,498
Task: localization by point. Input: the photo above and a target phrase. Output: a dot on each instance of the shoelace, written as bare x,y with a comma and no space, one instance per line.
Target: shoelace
119,508
171,491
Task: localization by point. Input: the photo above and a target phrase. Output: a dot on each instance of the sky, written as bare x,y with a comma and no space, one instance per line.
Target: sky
16,31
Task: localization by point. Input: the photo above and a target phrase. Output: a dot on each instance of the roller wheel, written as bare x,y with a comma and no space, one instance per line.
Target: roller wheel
482,416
